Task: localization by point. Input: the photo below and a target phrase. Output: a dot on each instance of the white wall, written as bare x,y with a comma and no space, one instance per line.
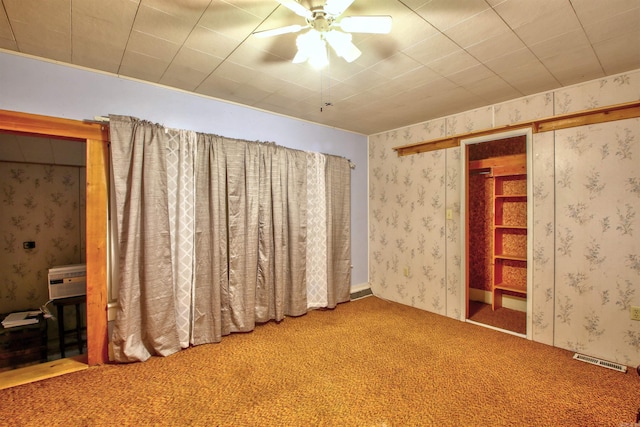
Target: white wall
33,86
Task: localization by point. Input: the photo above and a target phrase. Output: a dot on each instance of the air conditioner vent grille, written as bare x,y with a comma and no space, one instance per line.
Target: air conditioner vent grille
599,362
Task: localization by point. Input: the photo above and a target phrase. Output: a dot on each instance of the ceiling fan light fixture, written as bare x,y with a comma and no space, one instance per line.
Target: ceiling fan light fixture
366,24
312,48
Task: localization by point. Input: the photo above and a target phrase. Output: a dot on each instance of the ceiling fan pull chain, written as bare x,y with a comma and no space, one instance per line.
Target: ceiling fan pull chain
328,102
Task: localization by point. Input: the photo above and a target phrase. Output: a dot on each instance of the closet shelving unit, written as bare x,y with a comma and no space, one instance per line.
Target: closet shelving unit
509,228
509,236
508,224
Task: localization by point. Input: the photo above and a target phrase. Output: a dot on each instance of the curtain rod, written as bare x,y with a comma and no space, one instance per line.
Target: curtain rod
106,120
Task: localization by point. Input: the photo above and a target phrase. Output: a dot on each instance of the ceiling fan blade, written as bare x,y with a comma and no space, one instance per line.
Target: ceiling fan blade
296,8
342,45
337,7
279,31
366,24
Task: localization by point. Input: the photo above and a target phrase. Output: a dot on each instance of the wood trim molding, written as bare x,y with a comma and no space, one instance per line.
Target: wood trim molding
581,118
45,125
96,136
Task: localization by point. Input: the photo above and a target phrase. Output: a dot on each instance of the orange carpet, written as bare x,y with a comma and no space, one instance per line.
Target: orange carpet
367,363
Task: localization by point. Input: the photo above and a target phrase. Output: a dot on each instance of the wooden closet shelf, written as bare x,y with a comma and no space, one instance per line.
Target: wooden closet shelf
511,196
510,257
510,289
510,227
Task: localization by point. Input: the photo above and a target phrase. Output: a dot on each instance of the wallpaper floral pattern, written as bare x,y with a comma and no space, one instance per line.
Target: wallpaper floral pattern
44,204
585,256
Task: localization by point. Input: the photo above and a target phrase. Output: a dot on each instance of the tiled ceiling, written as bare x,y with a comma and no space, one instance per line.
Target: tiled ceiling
442,56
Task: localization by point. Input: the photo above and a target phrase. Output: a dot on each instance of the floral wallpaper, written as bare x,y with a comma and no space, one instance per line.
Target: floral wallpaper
585,256
44,204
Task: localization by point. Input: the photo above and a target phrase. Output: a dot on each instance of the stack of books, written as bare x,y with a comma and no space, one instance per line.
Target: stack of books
21,318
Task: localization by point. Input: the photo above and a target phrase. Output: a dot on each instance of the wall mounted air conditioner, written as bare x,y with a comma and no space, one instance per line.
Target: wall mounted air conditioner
67,281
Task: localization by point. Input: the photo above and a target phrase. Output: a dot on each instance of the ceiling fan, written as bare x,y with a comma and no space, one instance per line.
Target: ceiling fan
326,27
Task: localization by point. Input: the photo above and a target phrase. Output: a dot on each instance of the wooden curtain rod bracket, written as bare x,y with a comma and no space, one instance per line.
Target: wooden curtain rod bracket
581,118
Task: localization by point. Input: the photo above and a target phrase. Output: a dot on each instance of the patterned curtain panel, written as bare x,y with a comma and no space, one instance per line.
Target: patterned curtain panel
216,235
317,231
181,205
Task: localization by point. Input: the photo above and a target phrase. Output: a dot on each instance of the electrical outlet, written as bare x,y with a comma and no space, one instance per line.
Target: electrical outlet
635,313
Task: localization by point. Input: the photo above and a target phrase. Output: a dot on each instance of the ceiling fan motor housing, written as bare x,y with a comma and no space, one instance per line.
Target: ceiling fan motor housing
321,22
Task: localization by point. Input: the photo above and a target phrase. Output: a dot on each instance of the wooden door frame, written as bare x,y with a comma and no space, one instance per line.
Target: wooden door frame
96,137
464,175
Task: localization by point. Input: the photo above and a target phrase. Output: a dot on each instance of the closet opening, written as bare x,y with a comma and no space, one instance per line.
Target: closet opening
495,230
95,138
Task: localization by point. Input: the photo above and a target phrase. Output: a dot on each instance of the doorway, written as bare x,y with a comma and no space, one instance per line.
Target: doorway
496,219
96,137
43,225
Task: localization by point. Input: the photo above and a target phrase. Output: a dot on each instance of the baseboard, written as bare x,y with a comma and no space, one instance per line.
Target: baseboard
361,291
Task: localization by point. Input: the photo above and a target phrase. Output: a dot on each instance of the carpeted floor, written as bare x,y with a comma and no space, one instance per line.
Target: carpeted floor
503,318
367,363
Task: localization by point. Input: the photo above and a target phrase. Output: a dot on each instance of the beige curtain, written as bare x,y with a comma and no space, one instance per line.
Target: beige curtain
249,252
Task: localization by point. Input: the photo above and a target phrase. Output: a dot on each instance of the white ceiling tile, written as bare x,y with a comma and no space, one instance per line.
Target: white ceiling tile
589,11
615,55
493,90
471,75
367,79
5,29
261,9
511,60
255,59
396,65
530,78
563,66
182,77
517,13
162,25
395,81
417,77
196,60
444,14
235,72
8,44
115,13
457,61
283,46
229,20
496,47
614,26
432,49
562,44
216,86
409,30
56,46
535,21
484,26
210,42
97,55
149,45
49,16
141,66
187,10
